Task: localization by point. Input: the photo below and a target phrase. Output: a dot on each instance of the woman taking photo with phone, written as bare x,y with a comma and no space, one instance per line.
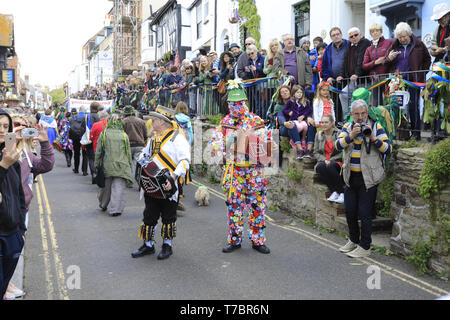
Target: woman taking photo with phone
30,166
12,206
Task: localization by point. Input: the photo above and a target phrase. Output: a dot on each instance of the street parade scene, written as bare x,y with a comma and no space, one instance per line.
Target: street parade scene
235,152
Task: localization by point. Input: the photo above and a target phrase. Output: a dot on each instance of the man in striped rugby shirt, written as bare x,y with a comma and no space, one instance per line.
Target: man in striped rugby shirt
362,172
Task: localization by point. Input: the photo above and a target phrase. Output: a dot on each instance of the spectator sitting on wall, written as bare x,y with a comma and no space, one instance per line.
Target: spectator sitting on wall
329,159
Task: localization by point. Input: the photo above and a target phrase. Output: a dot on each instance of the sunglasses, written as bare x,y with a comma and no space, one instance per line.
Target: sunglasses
354,36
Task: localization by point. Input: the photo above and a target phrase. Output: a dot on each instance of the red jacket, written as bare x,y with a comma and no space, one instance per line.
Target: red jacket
96,130
373,53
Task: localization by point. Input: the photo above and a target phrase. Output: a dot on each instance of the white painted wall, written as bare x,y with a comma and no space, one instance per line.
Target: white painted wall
147,52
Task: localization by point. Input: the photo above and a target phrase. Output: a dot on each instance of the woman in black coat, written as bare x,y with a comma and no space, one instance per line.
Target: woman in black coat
12,206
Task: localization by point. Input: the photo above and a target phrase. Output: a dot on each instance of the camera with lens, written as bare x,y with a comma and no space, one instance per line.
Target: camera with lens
366,130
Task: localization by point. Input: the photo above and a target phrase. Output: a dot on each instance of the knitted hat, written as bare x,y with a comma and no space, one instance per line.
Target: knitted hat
235,91
303,40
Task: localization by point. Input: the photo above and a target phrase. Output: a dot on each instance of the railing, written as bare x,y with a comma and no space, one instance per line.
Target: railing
205,100
378,86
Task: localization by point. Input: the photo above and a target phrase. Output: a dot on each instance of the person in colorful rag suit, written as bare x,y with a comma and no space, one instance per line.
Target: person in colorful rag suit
245,144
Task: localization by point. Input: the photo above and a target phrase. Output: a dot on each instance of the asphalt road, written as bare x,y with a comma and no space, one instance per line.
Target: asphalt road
74,251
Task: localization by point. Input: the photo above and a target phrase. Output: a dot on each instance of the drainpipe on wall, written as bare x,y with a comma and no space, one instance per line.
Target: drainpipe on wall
215,25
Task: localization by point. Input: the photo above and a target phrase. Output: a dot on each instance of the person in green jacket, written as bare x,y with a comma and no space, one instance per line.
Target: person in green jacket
113,148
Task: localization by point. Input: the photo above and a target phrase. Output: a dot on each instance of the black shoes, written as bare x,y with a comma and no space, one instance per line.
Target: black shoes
263,249
75,171
114,214
143,251
85,174
230,248
103,209
165,252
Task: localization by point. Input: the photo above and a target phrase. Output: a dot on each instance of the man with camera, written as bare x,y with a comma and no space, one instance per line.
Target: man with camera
365,144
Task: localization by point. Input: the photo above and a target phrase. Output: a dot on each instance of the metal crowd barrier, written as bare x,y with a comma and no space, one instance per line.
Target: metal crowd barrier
342,101
205,100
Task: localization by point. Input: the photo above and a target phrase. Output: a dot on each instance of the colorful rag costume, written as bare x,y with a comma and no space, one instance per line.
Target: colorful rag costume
244,142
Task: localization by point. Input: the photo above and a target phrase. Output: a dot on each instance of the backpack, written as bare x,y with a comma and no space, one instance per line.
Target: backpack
76,126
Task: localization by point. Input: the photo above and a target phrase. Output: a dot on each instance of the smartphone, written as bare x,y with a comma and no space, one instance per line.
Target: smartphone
10,140
30,132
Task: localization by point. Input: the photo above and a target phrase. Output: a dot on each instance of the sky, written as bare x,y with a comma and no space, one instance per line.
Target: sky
50,34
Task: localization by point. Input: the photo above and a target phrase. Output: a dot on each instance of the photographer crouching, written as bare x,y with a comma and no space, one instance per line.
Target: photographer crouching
365,144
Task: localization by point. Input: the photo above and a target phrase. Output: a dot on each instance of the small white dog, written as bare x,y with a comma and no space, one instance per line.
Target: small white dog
202,196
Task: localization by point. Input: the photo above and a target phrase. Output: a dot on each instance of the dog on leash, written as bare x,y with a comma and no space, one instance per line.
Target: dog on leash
202,196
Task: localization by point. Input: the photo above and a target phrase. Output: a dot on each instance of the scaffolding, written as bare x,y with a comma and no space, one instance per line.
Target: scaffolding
126,28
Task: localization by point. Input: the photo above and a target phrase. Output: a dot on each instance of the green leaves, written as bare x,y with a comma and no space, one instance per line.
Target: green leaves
436,171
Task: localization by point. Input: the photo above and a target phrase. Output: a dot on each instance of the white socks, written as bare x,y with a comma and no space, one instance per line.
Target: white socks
169,242
150,244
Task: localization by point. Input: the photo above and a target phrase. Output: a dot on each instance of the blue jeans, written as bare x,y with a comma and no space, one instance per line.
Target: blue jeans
291,133
311,134
10,249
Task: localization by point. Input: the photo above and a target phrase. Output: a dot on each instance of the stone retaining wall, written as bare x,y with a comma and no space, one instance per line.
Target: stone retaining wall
411,213
307,200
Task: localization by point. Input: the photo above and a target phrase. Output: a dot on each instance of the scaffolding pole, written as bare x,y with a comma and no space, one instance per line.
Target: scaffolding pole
126,28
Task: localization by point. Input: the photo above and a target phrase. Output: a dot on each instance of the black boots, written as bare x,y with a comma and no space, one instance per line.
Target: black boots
230,248
143,251
262,248
165,252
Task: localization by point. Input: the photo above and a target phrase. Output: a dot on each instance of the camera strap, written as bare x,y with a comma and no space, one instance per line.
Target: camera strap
367,144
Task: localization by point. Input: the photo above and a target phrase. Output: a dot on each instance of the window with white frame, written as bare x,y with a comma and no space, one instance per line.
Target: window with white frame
198,10
206,11
151,37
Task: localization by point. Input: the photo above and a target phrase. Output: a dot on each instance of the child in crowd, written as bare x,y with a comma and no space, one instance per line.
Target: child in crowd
320,51
322,104
298,110
182,118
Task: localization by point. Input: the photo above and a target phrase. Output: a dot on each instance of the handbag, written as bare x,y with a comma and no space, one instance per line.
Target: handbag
85,139
222,87
99,173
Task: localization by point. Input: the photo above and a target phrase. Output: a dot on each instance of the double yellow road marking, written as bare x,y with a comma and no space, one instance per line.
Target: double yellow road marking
411,280
45,218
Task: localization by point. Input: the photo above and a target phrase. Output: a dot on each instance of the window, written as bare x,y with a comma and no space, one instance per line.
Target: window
151,37
206,11
301,12
198,10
